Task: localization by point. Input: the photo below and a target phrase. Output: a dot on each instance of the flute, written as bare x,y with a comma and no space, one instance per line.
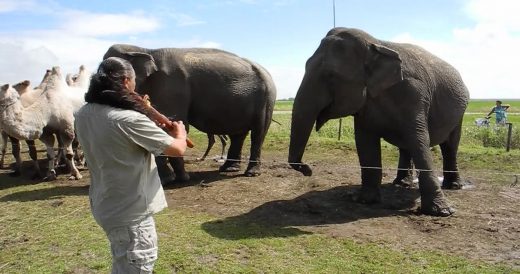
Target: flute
158,118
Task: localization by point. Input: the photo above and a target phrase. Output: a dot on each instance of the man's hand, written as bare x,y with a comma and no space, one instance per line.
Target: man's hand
178,130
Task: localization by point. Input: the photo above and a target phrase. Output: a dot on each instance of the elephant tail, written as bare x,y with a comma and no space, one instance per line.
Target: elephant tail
268,89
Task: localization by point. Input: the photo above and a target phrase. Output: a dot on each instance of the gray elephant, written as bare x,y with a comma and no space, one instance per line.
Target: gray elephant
215,91
398,92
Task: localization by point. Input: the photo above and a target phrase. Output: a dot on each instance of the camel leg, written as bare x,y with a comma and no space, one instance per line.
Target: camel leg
78,156
4,146
48,139
34,156
223,139
15,146
67,140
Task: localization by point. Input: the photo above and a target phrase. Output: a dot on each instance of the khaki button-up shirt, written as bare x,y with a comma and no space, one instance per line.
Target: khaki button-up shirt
118,146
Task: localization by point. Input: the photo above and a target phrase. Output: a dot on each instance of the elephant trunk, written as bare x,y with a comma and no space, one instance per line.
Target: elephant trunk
301,126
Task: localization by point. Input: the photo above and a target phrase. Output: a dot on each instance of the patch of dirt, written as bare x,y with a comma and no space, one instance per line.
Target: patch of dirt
486,225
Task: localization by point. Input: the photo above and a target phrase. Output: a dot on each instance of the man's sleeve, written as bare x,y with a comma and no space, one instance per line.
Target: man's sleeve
146,134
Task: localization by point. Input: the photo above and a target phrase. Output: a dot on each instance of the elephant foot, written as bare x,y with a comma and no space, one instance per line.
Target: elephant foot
230,166
455,184
51,176
181,178
406,182
37,176
252,170
368,196
303,168
438,207
168,180
15,173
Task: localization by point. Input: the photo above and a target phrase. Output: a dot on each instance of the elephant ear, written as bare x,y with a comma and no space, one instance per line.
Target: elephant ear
383,68
143,60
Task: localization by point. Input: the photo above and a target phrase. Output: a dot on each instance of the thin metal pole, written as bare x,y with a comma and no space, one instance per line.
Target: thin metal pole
334,24
334,12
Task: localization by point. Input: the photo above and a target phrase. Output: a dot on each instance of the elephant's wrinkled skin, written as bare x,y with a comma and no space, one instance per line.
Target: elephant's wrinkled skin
215,91
398,92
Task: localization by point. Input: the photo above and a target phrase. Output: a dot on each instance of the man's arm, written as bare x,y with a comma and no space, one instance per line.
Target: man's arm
178,146
491,112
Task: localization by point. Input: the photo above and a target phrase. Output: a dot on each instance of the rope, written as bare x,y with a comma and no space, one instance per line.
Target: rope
358,167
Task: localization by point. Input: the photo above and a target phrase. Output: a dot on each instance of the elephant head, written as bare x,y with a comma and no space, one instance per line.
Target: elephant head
143,63
349,68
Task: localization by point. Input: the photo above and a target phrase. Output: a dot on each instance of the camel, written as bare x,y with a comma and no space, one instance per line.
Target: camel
51,113
27,97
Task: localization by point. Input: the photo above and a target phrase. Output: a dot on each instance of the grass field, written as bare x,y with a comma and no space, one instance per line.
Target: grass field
475,106
47,227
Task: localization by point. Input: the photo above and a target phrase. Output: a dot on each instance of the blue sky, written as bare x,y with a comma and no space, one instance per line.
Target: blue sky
480,38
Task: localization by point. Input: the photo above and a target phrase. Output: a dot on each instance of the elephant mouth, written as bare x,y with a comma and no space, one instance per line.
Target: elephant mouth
322,118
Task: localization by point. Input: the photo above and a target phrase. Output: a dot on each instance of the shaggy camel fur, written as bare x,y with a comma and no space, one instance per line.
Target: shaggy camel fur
27,97
50,114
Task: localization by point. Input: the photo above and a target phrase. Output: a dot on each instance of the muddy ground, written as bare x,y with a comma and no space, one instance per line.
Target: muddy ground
486,225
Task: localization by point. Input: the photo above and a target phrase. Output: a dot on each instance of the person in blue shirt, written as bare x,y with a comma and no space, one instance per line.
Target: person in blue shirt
500,113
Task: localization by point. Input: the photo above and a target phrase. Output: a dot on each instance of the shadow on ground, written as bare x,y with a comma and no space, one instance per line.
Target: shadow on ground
281,218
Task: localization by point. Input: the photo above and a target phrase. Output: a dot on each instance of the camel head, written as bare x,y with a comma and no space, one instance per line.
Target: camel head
8,94
81,79
22,87
54,80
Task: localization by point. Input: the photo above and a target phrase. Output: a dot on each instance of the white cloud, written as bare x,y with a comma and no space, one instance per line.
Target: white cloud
287,79
186,20
503,13
485,54
13,5
96,24
80,38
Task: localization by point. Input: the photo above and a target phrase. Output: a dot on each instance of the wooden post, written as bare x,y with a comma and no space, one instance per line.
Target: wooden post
339,129
509,132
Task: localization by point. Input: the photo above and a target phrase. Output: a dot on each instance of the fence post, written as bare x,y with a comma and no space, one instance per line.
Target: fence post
339,129
509,132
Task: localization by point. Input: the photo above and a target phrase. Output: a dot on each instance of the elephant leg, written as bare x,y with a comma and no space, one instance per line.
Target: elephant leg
4,148
15,147
449,151
165,172
257,139
234,155
369,154
34,157
433,201
211,142
404,169
177,164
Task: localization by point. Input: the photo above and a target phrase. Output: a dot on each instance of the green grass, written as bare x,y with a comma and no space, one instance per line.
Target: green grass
283,105
474,106
48,228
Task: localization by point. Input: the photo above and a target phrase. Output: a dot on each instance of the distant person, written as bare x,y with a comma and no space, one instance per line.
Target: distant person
500,113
